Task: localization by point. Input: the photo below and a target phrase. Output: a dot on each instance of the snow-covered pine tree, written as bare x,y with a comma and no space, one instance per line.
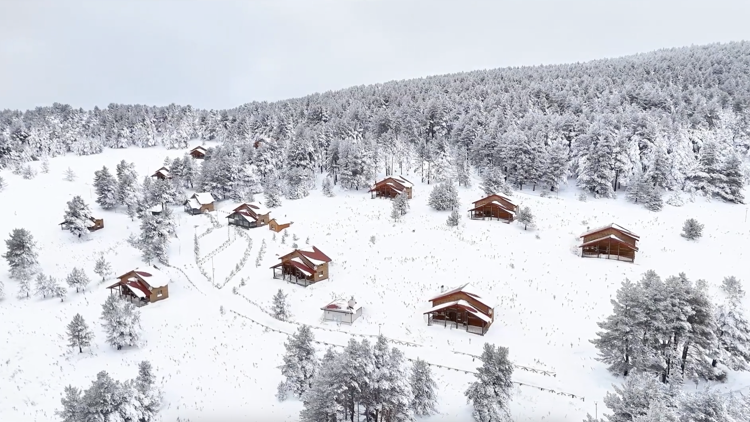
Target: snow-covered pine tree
322,401
77,217
105,186
72,403
595,167
163,192
424,398
43,286
78,279
24,288
390,394
633,399
652,198
122,322
708,405
327,187
107,400
2,184
555,166
733,328
45,165
70,175
102,268
493,181
444,197
127,187
156,231
732,180
401,203
692,229
732,287
280,307
28,172
21,254
272,194
453,219
300,363
59,289
79,333
525,217
490,394
395,213
149,397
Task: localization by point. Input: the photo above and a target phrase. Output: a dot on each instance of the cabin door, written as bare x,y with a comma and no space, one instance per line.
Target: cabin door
452,316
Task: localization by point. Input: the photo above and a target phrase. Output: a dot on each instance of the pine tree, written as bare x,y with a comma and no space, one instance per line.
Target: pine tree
24,288
692,229
390,392
634,397
72,403
453,219
732,181
45,165
122,323
732,287
60,291
327,187
401,203
149,397
490,395
652,198
300,363
79,334
493,182
444,197
78,279
21,254
156,232
618,344
70,175
105,186
525,217
424,398
323,400
103,268
272,195
2,184
44,286
77,217
280,307
395,213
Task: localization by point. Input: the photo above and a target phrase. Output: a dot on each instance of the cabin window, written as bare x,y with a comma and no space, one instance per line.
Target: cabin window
159,293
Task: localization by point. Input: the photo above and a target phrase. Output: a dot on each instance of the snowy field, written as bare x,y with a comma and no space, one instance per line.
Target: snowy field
223,366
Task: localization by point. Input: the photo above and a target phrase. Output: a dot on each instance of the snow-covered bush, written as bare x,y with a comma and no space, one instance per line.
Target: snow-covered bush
453,219
525,217
692,229
28,172
70,175
444,197
327,187
280,307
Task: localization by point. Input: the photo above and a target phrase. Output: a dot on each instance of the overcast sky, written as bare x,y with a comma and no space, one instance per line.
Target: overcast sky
220,54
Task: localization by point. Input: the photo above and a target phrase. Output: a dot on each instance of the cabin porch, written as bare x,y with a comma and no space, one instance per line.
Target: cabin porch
491,212
288,272
457,318
607,249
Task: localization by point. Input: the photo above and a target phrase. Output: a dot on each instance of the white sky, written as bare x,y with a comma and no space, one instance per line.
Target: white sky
220,54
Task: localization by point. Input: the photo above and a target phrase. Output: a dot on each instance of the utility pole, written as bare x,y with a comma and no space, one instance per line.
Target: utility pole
213,271
596,410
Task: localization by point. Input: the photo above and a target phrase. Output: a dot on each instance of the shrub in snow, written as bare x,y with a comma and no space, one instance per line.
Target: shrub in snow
24,288
372,239
284,235
77,217
280,307
78,279
453,219
261,253
295,237
105,186
28,172
692,229
221,310
444,197
395,213
70,175
732,287
21,254
490,394
583,197
300,363
676,200
122,322
307,241
60,290
79,334
424,399
294,245
102,268
45,165
327,187
525,217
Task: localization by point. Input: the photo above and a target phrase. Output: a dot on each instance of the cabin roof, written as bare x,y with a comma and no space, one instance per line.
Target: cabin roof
499,204
612,237
156,208
163,171
204,198
152,276
398,179
199,149
256,207
504,198
469,290
612,226
461,304
342,306
315,255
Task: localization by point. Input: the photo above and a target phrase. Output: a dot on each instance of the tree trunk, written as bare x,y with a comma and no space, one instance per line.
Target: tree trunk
80,349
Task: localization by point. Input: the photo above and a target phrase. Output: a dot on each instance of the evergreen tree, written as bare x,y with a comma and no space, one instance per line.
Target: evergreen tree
280,307
424,399
149,397
79,334
490,394
105,186
272,194
45,165
78,217
453,219
78,279
122,323
733,328
692,229
44,286
525,217
555,166
21,254
24,288
444,197
102,268
60,291
323,400
327,187
156,232
72,403
70,175
401,203
300,363
493,182
733,180
390,394
732,287
634,398
652,198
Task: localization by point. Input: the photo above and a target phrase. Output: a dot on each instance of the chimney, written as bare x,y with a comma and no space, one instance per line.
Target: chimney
352,303
442,288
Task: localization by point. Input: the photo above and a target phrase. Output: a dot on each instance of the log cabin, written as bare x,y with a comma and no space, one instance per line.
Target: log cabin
342,311
250,215
462,307
277,227
146,285
162,174
198,153
494,206
303,267
392,186
611,241
92,225
199,203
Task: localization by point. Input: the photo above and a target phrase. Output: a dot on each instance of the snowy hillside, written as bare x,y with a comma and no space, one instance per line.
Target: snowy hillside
216,365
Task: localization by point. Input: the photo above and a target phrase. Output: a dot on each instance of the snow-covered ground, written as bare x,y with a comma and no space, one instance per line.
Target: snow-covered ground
218,366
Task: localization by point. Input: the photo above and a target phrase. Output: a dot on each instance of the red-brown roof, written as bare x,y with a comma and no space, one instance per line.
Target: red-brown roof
316,254
612,226
504,198
610,237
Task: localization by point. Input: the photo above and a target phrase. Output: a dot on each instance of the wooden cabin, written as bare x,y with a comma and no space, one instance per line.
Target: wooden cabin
612,242
156,209
93,224
392,186
303,267
276,226
494,206
198,153
462,307
199,203
145,285
250,215
162,174
342,311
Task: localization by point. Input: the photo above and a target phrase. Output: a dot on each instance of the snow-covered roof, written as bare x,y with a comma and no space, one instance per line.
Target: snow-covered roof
342,306
193,203
470,291
302,266
135,291
258,208
464,304
204,198
501,205
612,226
611,236
403,181
156,208
153,277
164,172
198,148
